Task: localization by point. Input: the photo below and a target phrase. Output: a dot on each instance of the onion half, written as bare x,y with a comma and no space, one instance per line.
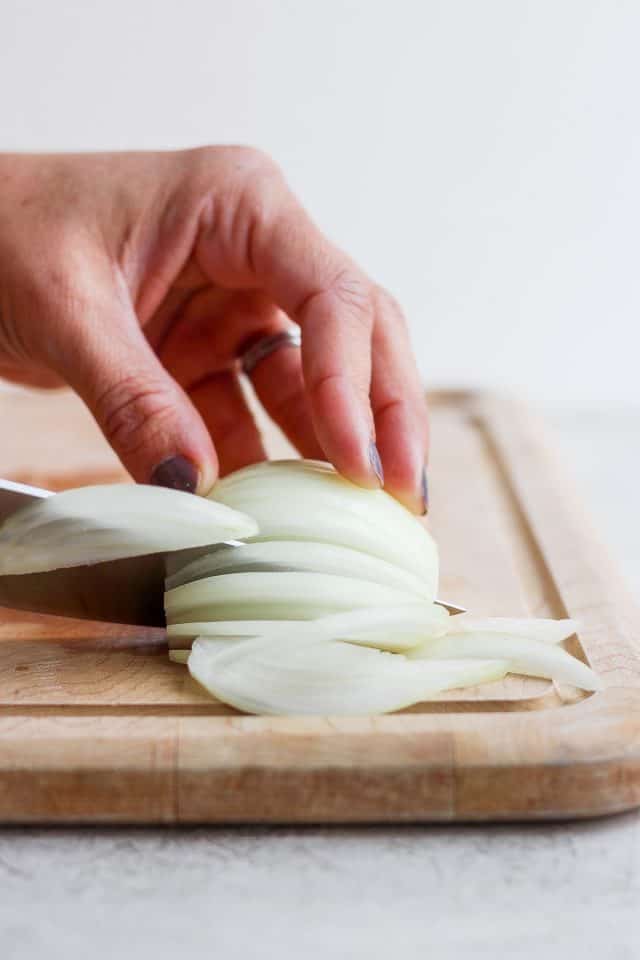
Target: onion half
307,500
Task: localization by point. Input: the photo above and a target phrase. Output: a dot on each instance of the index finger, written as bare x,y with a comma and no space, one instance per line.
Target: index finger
320,288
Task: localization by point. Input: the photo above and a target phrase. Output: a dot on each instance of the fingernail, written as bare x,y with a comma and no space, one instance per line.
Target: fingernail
376,462
178,473
425,491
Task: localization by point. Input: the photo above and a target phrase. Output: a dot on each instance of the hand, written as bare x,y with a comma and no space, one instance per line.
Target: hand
140,278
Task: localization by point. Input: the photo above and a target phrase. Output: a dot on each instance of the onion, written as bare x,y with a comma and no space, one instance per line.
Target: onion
284,675
534,658
275,596
317,612
387,628
110,522
547,631
307,500
289,556
236,628
395,629
328,610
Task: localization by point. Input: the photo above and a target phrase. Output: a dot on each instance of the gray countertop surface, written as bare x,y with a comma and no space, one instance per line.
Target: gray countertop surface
541,890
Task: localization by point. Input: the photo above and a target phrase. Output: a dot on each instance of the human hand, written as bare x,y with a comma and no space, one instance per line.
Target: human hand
139,279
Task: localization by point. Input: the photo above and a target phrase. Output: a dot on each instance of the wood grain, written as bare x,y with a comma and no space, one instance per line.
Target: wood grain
97,725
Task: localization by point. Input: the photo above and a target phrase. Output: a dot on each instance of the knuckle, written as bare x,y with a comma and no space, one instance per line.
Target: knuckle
351,294
202,158
352,290
347,296
252,160
239,162
133,411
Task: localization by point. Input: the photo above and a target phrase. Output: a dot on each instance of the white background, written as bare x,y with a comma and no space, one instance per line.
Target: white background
481,159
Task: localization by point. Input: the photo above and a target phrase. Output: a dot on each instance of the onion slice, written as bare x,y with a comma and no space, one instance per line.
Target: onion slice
533,658
285,676
236,628
535,628
396,628
289,556
275,596
110,522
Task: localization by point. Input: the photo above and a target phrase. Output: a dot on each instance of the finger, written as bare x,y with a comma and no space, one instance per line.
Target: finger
279,385
224,409
214,329
146,417
319,287
211,332
399,408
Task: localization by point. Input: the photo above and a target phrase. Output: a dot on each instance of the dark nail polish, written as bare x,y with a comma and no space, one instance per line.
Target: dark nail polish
178,473
425,491
376,463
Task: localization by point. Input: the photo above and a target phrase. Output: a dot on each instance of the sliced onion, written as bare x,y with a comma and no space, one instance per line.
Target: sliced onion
534,628
533,658
307,500
235,628
323,677
275,596
289,556
395,629
92,524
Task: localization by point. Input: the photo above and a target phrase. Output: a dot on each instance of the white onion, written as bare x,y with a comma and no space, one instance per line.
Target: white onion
309,501
533,658
547,631
289,556
397,628
319,677
92,524
236,628
275,596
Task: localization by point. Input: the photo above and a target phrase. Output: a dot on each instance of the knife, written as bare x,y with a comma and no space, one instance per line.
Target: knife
120,591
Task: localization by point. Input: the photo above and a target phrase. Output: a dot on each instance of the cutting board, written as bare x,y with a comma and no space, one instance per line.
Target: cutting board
97,725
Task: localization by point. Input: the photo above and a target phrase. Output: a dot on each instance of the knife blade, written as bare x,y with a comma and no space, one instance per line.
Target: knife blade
119,591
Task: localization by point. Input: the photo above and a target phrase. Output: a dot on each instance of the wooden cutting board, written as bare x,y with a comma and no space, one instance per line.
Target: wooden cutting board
97,725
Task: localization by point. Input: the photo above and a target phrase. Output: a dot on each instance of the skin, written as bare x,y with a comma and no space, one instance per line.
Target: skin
139,278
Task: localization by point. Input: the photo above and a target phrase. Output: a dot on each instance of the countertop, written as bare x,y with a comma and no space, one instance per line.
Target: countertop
525,891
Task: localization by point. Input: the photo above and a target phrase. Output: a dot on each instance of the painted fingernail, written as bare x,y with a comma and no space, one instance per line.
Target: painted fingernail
424,487
376,462
178,473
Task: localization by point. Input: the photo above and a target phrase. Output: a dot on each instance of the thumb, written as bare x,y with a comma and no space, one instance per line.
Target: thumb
145,415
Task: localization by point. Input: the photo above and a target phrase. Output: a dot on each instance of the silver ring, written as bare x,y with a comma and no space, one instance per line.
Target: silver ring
268,345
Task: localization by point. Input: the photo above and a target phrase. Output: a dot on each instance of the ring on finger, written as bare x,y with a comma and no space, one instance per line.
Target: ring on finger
264,347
